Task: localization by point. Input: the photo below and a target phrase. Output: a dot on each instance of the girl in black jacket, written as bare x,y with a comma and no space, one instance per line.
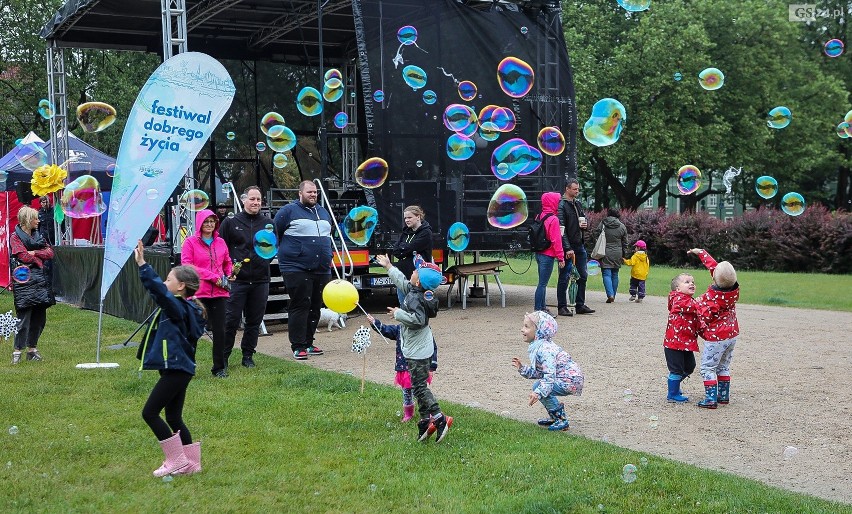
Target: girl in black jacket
416,238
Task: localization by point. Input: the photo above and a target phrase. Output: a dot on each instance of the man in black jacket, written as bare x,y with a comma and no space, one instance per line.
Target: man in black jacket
573,221
250,286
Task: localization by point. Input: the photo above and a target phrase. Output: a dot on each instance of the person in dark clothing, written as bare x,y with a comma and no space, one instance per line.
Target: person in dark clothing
573,219
250,285
46,226
416,238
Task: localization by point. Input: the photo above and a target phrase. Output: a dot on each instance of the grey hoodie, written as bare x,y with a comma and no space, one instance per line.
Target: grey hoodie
416,334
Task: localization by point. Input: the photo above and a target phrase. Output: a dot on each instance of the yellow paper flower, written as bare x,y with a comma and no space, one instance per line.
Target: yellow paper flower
47,179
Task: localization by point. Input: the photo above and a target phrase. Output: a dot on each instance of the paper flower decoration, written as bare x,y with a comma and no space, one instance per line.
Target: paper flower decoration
361,340
48,179
8,325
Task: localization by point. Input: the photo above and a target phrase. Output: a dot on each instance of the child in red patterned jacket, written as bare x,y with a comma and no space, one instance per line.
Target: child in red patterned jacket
717,313
681,338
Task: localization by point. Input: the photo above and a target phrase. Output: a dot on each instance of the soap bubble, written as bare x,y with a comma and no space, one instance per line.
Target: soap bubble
507,207
628,473
230,136
458,117
779,117
360,223
414,76
766,186
332,90
514,157
789,451
606,122
110,170
88,439
593,268
419,164
372,173
152,194
260,146
489,131
46,109
269,120
194,200
82,198
284,140
628,394
399,414
653,422
265,244
13,430
280,160
460,148
524,30
711,79
848,117
379,96
332,73
95,116
458,237
467,90
635,5
551,141
643,461
678,76
429,97
309,101
833,47
168,479
407,35
793,204
31,156
341,119
505,413
21,274
373,487
515,77
844,129
504,119
688,179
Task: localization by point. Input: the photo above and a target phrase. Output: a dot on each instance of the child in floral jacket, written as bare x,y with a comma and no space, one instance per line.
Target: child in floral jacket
681,338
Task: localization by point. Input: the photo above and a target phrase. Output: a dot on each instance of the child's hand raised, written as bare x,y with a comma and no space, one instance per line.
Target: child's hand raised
139,253
694,251
516,362
384,261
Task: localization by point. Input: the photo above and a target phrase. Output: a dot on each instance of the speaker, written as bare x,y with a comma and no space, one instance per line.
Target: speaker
25,192
150,236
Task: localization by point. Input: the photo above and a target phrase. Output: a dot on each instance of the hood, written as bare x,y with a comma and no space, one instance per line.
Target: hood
546,326
550,202
202,215
611,222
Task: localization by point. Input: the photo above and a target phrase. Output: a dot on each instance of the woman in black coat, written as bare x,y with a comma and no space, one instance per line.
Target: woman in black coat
416,238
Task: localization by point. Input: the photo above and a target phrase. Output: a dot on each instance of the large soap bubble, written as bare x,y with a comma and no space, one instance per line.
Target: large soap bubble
332,73
688,179
489,131
766,186
793,204
515,77
833,47
280,160
309,101
459,147
332,90
95,116
551,141
360,223
514,157
508,207
711,79
779,117
46,109
635,5
414,76
82,198
458,237
269,120
604,126
467,90
194,200
284,140
372,173
844,129
458,117
407,35
593,268
31,156
265,243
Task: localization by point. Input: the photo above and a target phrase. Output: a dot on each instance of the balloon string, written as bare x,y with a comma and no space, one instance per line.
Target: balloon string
373,324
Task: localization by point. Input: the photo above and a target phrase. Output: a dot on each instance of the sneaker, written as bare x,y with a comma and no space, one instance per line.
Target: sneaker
441,426
33,355
632,298
248,361
313,350
564,311
610,299
423,429
16,357
220,374
583,309
638,300
300,355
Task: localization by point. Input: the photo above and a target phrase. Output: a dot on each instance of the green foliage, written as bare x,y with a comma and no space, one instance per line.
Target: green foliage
288,437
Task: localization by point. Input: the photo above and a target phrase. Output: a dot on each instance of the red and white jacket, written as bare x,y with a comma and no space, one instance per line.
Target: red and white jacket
717,308
682,327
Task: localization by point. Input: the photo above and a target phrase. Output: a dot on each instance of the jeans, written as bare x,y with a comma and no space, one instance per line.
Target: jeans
251,298
610,280
581,259
559,389
545,270
303,311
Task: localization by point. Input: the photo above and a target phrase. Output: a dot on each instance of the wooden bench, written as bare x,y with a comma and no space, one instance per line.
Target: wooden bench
458,275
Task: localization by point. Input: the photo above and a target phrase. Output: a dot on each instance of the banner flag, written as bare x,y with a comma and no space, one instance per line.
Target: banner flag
173,116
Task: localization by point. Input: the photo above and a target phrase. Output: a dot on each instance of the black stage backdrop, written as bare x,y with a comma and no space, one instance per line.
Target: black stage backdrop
456,43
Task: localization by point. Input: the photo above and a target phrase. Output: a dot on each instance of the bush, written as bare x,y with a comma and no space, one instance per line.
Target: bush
750,236
681,232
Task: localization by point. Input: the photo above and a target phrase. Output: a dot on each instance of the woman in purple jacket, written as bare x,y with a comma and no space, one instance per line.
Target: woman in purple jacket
208,253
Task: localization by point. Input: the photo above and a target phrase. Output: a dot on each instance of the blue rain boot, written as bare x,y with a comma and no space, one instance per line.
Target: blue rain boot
711,390
675,396
724,390
561,422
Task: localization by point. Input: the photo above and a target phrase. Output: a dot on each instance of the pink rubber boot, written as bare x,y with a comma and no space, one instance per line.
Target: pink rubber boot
193,455
408,413
175,458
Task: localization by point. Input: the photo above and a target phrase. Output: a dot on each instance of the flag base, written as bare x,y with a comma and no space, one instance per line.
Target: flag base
93,365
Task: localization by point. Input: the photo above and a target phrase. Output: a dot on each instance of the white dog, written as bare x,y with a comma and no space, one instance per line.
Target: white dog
331,318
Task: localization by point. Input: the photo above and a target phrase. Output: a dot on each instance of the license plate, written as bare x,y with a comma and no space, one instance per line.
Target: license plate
381,281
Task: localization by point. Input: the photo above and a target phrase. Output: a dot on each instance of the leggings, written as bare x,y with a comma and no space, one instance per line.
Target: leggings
169,393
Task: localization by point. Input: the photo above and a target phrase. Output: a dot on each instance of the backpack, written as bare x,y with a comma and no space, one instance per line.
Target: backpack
538,234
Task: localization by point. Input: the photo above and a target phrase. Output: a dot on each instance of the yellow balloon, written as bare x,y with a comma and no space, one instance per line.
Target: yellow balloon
340,296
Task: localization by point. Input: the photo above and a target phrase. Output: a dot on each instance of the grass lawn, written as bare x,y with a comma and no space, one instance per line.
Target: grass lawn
805,290
286,437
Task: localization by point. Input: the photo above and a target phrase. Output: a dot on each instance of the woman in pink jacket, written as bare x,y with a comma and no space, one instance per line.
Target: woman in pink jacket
549,206
208,253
